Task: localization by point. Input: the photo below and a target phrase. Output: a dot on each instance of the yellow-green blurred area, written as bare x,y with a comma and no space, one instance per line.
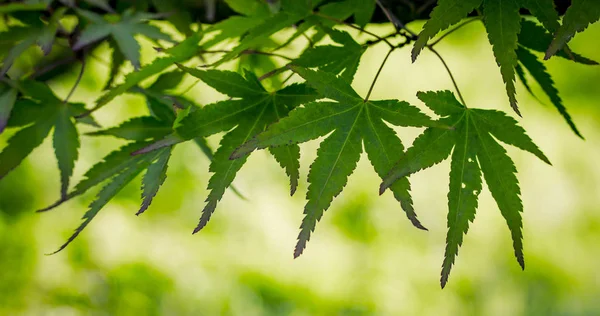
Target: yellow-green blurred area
365,258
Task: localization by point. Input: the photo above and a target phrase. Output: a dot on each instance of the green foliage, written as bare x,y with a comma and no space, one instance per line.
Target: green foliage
476,151
351,121
503,24
577,18
122,30
249,112
51,112
261,110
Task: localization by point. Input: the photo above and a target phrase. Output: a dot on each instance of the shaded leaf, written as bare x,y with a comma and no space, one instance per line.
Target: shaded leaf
349,122
502,22
154,178
138,128
578,16
8,97
66,146
538,71
475,151
446,13
107,193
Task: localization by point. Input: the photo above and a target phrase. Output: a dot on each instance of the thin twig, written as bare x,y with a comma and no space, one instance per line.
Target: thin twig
377,41
273,72
354,27
76,81
288,78
395,21
449,73
378,73
454,30
247,52
256,52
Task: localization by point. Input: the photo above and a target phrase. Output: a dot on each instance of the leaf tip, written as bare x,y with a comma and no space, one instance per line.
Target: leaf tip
293,189
207,212
299,249
382,187
53,206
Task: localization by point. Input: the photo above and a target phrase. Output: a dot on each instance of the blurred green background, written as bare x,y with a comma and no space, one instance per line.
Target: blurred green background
365,258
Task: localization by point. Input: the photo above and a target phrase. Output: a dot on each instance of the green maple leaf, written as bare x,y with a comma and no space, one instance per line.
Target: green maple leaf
176,54
340,60
42,34
154,178
46,113
293,11
122,30
538,71
579,15
475,151
351,121
502,21
118,179
363,11
445,14
137,129
248,113
536,38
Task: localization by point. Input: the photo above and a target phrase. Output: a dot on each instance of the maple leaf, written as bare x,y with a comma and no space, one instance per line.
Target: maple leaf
539,73
578,16
46,112
118,178
122,30
176,54
42,34
339,60
536,38
475,150
502,21
261,27
249,112
350,121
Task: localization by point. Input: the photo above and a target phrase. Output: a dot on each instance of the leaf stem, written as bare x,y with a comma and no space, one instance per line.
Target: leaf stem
449,73
354,27
76,81
273,72
378,73
454,30
247,52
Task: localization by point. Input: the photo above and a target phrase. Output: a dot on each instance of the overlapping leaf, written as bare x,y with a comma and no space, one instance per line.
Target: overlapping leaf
249,112
42,34
538,71
579,15
46,113
350,121
340,60
176,54
473,142
502,21
536,38
118,179
122,30
8,97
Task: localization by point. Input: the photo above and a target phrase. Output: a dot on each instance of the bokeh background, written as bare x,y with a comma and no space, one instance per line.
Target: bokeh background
365,258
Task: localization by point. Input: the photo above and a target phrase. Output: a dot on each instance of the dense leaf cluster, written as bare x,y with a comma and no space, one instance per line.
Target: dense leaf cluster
262,111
